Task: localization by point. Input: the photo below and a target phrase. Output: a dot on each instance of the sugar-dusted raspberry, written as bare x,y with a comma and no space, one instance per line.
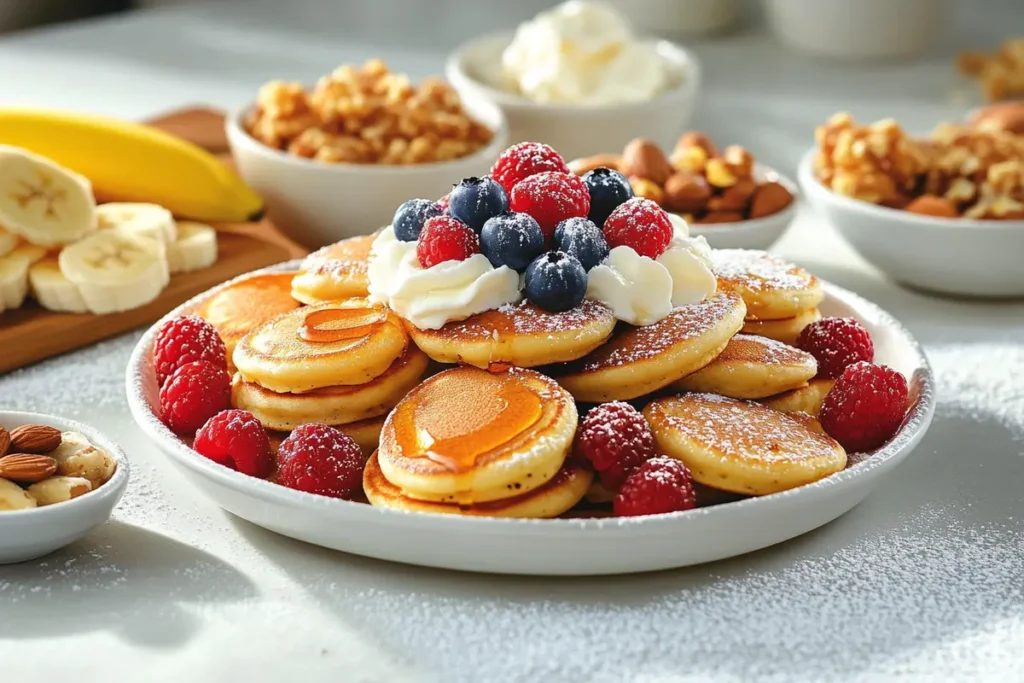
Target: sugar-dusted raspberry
184,340
319,459
660,485
865,406
616,439
442,203
193,394
836,343
551,197
523,160
444,238
236,439
641,225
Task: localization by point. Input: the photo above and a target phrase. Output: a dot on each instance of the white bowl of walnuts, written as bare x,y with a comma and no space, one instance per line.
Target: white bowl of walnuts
58,480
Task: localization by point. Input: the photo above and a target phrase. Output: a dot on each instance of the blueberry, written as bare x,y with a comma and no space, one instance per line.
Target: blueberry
608,189
474,200
579,237
410,217
556,281
511,239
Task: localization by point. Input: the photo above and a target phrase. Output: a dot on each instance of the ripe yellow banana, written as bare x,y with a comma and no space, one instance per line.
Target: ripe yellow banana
132,162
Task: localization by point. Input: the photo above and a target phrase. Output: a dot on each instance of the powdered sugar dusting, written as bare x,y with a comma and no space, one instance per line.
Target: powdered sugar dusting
758,270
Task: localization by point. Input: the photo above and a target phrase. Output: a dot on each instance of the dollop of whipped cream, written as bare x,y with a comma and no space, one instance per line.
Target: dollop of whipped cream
430,297
582,53
641,290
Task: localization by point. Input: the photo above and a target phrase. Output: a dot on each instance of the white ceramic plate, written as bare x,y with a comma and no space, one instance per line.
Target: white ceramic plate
32,533
560,546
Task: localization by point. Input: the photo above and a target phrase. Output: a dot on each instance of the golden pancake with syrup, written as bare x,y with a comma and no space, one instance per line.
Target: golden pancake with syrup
752,367
470,436
520,335
335,405
366,434
337,271
742,446
552,498
806,399
785,330
640,360
771,287
343,342
247,303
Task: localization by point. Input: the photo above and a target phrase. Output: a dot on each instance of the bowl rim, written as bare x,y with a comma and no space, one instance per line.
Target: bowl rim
914,426
812,187
238,135
113,487
457,74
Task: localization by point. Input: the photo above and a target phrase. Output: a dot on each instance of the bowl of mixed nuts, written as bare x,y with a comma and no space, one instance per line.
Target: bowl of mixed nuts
335,160
58,480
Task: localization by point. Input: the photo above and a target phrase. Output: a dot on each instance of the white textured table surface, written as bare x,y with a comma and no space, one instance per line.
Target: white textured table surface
923,581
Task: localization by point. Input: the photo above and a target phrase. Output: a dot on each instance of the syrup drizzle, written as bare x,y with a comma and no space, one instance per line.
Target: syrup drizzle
329,325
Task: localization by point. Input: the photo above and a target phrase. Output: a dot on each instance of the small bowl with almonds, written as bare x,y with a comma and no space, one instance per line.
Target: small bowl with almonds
58,480
336,160
942,213
726,196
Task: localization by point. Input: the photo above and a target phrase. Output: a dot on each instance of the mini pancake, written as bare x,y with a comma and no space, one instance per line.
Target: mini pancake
332,405
741,446
771,287
556,496
247,303
521,336
806,399
468,435
640,360
337,271
785,330
366,434
752,367
344,342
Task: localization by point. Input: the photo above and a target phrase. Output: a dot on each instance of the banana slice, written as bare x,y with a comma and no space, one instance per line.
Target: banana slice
116,271
14,274
8,241
52,290
142,220
46,204
195,248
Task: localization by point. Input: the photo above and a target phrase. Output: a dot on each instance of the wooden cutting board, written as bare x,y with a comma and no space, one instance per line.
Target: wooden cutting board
31,333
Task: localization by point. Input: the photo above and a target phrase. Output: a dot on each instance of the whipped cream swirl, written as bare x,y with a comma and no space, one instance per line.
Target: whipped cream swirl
430,297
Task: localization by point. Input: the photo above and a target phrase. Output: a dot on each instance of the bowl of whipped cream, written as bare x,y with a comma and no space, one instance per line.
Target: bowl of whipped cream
576,77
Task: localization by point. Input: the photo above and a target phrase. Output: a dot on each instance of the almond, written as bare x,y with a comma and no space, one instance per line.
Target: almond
735,198
588,164
5,441
34,439
740,160
769,198
642,187
930,205
27,468
686,192
644,159
695,138
721,217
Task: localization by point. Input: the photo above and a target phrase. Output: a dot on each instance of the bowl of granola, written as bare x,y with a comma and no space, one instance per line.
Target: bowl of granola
943,213
337,159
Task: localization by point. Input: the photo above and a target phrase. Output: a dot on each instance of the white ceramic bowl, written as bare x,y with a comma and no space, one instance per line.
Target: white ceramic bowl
577,131
759,233
559,546
946,255
690,17
317,203
28,534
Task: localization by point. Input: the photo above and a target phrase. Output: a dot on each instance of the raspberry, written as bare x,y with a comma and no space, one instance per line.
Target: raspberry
443,203
616,439
184,340
660,485
865,406
446,239
641,225
193,394
551,197
319,459
836,343
521,161
236,439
